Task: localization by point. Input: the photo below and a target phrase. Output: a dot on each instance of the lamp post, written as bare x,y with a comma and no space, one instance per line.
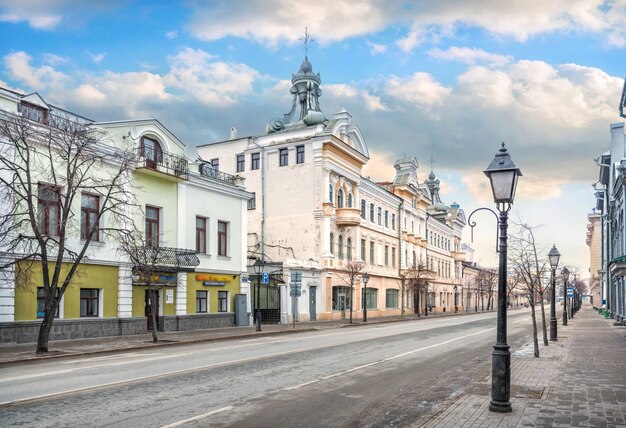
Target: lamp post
366,278
456,299
553,256
503,176
258,270
565,273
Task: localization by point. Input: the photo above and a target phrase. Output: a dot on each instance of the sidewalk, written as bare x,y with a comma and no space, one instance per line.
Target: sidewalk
579,381
25,352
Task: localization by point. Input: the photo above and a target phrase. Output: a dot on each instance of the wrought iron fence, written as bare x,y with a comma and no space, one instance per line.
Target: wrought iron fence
163,161
207,170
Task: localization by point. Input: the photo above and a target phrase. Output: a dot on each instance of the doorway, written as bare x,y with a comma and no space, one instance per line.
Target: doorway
148,307
313,303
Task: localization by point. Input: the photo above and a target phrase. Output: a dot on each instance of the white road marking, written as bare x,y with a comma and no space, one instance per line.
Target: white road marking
197,418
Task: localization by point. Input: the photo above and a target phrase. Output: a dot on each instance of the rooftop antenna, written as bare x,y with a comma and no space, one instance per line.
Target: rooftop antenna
307,37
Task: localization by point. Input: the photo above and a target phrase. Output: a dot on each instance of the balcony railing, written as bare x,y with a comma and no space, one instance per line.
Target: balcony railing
164,162
207,170
167,256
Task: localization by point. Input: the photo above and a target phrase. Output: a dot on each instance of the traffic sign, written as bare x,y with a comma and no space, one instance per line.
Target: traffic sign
265,278
570,294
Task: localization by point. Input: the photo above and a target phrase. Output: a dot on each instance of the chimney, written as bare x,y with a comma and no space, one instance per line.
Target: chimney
233,133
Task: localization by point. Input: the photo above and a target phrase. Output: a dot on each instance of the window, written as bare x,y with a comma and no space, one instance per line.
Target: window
380,216
363,209
412,226
215,163
341,298
152,226
255,160
201,235
241,163
33,112
330,193
369,298
393,257
372,213
299,154
49,209
89,207
202,302
340,198
151,151
89,302
222,238
41,303
363,250
349,249
371,252
349,200
222,301
252,202
340,247
391,298
283,157
386,218
414,259
386,255
332,244
393,221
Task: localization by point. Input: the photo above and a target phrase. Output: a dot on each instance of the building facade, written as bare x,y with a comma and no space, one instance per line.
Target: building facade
594,242
190,217
315,216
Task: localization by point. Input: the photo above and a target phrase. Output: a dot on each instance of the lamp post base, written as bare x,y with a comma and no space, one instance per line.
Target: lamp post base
258,321
500,379
553,330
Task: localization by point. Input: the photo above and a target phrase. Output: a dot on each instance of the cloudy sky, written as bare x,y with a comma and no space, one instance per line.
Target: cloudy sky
449,79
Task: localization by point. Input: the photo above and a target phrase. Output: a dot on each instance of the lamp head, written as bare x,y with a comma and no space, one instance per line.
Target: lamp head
554,256
503,175
366,278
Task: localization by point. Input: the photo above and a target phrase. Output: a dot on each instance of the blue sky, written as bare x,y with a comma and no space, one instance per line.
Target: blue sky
451,78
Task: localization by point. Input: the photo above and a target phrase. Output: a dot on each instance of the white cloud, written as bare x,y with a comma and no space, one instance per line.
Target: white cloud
371,102
53,59
18,65
418,89
411,41
469,56
380,166
97,58
171,35
50,14
377,48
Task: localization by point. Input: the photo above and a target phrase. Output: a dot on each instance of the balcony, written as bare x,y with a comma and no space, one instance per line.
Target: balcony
348,216
458,256
177,259
206,170
162,164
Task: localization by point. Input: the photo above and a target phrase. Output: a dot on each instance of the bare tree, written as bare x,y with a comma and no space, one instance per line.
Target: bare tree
487,283
531,271
417,276
353,272
46,167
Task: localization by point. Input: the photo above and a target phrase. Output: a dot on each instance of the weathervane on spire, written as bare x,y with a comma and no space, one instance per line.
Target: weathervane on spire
307,37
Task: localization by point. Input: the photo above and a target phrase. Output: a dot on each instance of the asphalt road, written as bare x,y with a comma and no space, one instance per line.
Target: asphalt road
394,374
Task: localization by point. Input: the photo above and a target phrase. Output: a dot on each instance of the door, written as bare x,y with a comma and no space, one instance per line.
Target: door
342,305
148,307
313,303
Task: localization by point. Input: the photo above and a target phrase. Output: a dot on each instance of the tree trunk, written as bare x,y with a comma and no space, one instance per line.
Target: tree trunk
153,306
351,300
417,306
543,322
402,289
44,332
534,318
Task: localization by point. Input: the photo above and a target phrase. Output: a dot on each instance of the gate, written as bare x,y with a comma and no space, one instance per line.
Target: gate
269,303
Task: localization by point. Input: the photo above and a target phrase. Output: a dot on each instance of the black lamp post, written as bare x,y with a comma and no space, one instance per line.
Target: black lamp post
572,303
553,256
258,270
503,175
456,299
565,273
366,278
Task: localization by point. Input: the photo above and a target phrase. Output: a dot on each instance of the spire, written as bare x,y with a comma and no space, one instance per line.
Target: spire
305,90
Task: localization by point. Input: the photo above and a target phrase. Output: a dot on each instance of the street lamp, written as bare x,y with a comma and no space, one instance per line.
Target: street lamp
456,299
553,256
258,270
503,176
565,273
366,278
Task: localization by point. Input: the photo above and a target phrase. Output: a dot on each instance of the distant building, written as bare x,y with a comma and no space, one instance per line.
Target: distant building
594,242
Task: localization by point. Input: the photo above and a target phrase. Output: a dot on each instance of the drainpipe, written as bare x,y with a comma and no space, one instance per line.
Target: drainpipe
262,198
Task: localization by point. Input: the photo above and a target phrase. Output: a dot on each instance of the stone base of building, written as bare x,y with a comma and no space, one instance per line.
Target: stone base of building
27,331
195,321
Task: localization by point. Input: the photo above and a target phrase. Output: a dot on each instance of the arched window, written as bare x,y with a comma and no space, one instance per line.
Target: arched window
349,200
151,152
363,209
340,247
372,213
349,249
330,193
340,198
332,244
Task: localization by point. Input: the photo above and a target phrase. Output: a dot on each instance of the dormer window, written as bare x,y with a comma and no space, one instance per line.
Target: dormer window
151,151
33,112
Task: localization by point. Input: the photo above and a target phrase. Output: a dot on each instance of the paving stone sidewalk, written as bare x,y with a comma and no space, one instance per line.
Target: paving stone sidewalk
579,381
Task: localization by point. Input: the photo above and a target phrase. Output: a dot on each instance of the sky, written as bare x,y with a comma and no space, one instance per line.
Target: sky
444,81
